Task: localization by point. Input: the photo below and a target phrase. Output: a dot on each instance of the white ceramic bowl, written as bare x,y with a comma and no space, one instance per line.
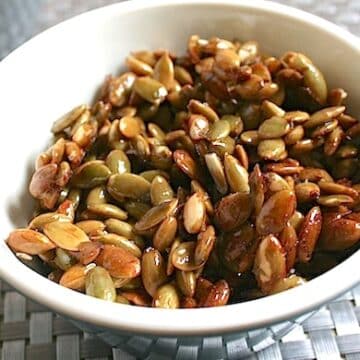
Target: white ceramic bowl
64,66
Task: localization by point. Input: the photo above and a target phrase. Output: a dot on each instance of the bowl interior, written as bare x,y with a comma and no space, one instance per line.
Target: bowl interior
65,66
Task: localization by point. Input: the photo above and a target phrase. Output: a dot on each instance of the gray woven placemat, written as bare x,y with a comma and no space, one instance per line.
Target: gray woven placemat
30,332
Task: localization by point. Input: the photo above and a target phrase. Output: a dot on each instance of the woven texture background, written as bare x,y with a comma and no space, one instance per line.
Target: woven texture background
30,332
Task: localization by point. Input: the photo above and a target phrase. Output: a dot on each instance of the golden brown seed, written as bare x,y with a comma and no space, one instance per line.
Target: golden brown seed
296,220
218,294
307,192
118,241
85,134
238,248
338,233
236,175
65,235
153,272
275,183
232,211
186,164
309,234
74,278
276,212
130,126
198,127
91,227
194,213
29,242
170,267
186,281
333,141
88,252
119,262
289,241
334,188
315,175
270,263
165,234
204,245
297,117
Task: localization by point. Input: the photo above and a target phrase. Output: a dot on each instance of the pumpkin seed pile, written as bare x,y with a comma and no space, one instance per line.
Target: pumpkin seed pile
220,176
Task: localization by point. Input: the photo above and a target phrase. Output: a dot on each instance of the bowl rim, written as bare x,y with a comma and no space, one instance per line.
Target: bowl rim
205,321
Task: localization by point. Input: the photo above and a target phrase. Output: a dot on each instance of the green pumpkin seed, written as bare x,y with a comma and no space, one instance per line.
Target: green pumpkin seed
120,228
307,192
297,117
217,173
324,115
149,89
294,135
63,260
236,175
156,215
90,174
118,162
346,151
270,109
236,124
119,241
97,195
223,146
170,267
164,71
129,186
74,196
186,282
166,297
122,300
136,209
91,227
153,270
272,149
335,200
273,128
149,175
218,130
98,283
68,119
182,75
165,234
39,221
107,211
196,107
250,137
160,191
138,67
183,257
157,132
